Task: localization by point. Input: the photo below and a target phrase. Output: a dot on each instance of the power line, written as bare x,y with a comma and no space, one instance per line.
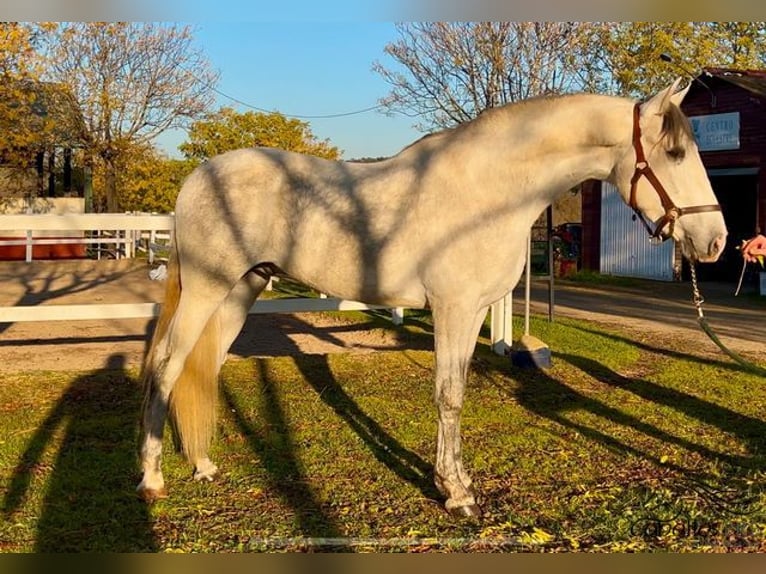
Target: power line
297,116
264,110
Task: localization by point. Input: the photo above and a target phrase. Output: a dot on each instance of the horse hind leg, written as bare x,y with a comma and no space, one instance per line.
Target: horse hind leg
233,314
191,333
455,332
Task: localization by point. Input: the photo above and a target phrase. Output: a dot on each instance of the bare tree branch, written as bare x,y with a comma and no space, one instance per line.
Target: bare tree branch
131,81
449,72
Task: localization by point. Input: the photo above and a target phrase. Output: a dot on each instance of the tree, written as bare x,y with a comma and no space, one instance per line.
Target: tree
449,72
149,181
23,125
736,44
228,129
130,82
630,51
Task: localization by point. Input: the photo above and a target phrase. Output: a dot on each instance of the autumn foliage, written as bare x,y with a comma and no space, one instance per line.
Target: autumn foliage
228,129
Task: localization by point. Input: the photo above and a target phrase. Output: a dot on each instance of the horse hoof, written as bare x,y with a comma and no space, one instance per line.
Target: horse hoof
205,470
471,511
205,476
152,494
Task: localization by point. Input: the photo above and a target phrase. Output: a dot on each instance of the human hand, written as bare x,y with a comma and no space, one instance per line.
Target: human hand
754,250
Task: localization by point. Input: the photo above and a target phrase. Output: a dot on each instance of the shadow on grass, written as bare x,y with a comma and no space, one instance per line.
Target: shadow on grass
542,394
406,464
671,353
277,455
279,458
89,502
749,430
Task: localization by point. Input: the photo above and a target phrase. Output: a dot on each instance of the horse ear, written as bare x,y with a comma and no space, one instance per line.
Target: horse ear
678,95
670,95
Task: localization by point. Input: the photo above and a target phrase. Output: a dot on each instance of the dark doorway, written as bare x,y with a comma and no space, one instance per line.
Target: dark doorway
738,194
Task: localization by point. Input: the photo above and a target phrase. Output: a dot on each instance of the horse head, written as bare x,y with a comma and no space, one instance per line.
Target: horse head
663,179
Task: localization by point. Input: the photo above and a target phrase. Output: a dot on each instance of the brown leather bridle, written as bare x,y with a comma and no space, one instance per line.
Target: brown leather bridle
672,211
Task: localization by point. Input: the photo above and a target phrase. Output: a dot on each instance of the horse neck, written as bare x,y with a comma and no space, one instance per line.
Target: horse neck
543,148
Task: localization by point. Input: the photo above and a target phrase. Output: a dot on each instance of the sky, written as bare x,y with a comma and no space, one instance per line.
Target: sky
307,69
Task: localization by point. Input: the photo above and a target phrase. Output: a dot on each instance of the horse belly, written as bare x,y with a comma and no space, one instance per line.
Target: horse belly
342,266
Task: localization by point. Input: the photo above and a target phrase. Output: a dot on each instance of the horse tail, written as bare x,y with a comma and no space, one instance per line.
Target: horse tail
193,396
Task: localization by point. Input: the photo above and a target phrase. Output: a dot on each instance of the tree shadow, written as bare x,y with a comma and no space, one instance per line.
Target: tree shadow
268,335
749,430
547,397
73,340
89,503
286,475
277,452
406,464
666,352
36,282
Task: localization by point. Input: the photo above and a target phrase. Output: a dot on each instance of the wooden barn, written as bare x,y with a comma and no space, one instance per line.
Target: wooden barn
727,110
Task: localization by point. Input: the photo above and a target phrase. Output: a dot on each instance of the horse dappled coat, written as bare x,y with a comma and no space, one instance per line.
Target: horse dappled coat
443,225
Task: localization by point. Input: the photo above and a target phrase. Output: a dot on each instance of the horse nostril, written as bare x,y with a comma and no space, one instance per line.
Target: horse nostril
716,247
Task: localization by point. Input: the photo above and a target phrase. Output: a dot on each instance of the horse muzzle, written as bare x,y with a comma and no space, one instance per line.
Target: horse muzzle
713,250
703,251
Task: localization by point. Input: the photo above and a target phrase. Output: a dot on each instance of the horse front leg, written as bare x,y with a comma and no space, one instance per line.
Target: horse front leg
455,333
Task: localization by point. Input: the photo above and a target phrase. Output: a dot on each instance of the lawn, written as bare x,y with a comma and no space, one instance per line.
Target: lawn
619,446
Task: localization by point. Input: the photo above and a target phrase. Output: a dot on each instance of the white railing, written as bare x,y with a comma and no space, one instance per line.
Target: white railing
141,232
122,230
24,313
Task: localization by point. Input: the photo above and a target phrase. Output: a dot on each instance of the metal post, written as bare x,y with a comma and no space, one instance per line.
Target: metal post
549,218
528,283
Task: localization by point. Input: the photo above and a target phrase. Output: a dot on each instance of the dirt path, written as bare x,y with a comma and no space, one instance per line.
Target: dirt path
663,312
658,312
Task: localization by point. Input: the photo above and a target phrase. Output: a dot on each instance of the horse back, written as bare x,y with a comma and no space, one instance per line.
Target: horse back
332,225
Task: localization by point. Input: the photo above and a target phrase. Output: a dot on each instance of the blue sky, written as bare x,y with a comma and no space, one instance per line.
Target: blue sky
308,69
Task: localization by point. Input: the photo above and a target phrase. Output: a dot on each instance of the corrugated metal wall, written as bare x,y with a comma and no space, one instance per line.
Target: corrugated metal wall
625,247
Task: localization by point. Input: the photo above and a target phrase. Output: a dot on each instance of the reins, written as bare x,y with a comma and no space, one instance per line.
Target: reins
672,211
702,320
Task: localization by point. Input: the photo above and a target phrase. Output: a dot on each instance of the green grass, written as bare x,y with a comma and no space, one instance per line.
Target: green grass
588,277
619,446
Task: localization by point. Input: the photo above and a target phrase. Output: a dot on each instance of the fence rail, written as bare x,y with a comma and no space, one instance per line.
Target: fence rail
141,232
124,231
24,313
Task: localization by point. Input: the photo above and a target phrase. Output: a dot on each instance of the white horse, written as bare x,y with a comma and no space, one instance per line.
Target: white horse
442,225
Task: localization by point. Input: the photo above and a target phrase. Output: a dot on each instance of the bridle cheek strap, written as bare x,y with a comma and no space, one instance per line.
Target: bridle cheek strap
672,211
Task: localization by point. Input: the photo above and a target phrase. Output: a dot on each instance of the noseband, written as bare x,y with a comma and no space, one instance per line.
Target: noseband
672,211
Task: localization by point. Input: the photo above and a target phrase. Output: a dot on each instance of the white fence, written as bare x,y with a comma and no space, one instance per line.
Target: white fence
125,232
130,233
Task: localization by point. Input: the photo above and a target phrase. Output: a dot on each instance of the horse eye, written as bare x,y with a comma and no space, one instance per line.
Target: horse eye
676,153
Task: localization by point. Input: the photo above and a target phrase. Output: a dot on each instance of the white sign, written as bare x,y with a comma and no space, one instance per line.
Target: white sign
717,131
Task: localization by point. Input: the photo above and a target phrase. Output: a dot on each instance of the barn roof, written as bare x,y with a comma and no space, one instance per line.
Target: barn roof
754,81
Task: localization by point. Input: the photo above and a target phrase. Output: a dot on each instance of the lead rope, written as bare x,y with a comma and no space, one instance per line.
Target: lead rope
698,300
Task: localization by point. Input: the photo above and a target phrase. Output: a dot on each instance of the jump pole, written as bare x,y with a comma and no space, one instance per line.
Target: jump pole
529,351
